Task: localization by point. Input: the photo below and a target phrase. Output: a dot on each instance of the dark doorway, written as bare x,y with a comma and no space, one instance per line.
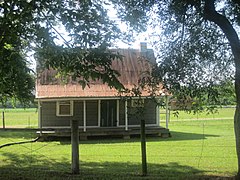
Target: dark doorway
108,113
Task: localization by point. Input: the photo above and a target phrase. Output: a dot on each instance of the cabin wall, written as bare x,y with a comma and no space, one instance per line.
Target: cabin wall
121,112
134,118
78,112
150,112
92,113
50,119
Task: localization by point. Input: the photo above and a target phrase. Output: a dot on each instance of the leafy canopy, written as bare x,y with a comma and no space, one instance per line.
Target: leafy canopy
194,54
68,35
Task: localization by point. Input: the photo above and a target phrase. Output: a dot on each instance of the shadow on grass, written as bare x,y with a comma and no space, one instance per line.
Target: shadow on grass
27,134
176,136
27,166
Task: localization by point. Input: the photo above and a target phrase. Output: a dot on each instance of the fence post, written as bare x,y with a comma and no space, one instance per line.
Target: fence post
75,146
167,111
143,148
3,120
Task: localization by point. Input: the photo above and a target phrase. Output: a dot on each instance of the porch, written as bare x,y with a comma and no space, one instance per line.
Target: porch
104,131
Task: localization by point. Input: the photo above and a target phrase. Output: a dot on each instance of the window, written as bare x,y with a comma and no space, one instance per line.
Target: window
137,102
64,108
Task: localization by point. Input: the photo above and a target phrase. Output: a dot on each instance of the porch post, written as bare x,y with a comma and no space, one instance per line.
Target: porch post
126,116
117,112
157,116
99,113
40,117
167,111
84,116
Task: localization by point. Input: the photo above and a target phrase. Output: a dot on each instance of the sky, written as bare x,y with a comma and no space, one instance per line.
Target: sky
142,37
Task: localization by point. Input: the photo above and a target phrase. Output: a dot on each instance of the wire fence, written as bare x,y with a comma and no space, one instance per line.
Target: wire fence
196,148
19,118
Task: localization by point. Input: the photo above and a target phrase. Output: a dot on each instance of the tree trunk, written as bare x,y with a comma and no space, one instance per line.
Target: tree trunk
237,135
237,113
227,28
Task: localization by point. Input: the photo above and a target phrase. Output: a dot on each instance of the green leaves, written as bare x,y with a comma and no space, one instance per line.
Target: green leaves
16,81
194,56
7,46
134,13
70,36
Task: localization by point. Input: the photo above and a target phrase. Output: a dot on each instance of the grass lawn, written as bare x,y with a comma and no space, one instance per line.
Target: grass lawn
20,118
222,113
197,148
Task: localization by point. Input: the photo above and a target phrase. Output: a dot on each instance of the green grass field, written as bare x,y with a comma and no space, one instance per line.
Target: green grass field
221,113
19,118
197,149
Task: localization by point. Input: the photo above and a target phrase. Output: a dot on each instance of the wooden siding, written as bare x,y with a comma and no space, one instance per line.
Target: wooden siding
49,117
78,111
92,113
149,113
121,112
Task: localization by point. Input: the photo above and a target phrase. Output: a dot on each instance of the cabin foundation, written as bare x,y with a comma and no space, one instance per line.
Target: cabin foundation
104,132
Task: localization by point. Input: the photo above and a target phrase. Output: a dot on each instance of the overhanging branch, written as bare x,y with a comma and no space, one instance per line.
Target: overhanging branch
212,15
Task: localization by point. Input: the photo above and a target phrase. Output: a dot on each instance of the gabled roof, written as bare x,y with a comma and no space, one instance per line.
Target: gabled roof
131,69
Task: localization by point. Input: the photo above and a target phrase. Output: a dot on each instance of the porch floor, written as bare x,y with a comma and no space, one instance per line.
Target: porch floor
105,131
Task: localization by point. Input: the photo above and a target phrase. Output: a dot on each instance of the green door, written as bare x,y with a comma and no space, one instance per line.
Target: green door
108,113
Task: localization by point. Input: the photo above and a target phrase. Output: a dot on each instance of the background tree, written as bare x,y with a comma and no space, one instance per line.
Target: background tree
68,35
198,46
16,78
79,50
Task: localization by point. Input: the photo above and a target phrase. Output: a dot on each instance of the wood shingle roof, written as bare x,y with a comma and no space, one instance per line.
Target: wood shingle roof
131,69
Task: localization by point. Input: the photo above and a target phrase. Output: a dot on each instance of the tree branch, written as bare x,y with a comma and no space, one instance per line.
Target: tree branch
212,15
50,24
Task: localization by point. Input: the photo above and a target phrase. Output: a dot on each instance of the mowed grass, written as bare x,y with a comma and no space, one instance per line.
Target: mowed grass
19,118
199,148
221,113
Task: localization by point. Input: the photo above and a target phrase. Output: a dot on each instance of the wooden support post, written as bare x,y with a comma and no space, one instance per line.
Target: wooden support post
3,120
99,113
143,148
84,117
40,117
126,116
157,116
117,112
75,146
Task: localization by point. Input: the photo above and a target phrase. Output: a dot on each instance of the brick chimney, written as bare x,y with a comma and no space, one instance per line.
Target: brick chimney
143,48
147,53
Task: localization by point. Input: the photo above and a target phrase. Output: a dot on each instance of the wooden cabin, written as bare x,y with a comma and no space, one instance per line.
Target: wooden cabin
100,110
